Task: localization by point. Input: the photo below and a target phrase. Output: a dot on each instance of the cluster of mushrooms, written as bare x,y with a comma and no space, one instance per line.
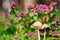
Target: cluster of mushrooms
40,26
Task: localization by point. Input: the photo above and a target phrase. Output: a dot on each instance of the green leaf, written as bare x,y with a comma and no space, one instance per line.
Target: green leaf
55,9
47,20
25,30
11,16
30,14
16,11
58,28
25,38
45,13
34,29
31,20
17,20
9,10
2,29
35,18
51,14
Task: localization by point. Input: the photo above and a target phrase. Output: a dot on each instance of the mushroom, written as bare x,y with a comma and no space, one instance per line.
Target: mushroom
36,24
45,26
40,26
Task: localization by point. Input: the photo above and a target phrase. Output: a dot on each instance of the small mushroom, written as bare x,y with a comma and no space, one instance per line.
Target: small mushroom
36,24
45,26
40,26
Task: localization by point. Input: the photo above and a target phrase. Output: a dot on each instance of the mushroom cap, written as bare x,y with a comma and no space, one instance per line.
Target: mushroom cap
39,25
44,26
36,24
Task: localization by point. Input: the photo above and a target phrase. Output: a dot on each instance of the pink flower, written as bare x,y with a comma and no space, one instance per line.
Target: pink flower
51,8
56,21
56,25
33,11
37,7
19,15
30,7
12,3
53,4
42,8
23,14
57,34
6,15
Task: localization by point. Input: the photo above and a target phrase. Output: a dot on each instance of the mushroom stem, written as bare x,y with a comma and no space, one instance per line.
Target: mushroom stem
45,34
38,35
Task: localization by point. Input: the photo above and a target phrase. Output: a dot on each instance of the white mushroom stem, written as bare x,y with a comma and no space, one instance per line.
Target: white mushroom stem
45,34
39,35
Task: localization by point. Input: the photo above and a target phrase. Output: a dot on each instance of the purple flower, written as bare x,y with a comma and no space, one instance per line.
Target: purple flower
56,21
57,34
42,8
6,15
33,6
37,7
53,4
56,25
23,14
12,3
33,11
30,7
19,15
45,7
